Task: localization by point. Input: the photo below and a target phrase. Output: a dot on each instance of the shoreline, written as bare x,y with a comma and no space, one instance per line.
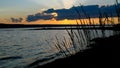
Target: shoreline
103,53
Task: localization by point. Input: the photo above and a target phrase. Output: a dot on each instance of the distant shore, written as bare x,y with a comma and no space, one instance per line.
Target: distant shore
60,26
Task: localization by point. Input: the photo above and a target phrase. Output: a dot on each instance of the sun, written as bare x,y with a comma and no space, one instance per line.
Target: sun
68,3
54,14
58,3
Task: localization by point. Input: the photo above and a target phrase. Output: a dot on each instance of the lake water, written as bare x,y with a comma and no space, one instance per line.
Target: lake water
27,45
20,47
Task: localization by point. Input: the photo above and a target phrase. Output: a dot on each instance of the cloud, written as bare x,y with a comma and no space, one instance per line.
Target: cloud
56,14
38,16
73,13
16,20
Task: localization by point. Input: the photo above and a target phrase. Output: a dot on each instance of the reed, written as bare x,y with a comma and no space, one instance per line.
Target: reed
65,44
59,47
117,10
80,38
82,23
71,35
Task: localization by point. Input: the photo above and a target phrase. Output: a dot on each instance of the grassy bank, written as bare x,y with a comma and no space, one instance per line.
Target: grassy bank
104,52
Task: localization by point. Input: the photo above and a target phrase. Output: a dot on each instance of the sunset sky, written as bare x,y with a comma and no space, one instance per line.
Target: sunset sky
22,8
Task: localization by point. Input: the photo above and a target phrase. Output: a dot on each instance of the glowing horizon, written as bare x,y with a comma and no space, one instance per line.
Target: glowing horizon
66,21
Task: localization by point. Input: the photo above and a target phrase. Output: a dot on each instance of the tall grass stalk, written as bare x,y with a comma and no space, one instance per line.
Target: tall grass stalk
58,46
70,33
82,23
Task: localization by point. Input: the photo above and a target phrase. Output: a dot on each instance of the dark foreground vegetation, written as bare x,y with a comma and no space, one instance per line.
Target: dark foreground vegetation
104,53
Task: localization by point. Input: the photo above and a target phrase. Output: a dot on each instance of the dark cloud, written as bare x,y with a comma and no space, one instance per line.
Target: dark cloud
38,16
16,20
74,13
